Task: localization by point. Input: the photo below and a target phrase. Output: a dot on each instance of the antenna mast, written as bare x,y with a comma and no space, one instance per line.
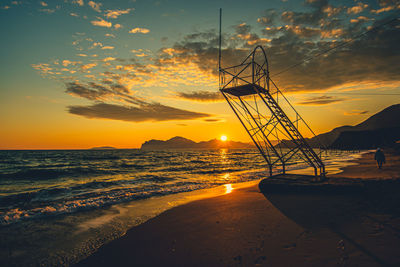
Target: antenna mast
219,49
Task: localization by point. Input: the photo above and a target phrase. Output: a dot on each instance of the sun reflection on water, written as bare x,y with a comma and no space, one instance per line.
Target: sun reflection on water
226,176
228,188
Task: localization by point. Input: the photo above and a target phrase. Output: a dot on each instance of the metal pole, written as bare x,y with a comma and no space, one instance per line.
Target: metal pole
220,39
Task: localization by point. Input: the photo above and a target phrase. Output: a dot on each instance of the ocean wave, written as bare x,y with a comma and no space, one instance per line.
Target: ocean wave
53,194
94,200
100,157
59,182
32,173
217,171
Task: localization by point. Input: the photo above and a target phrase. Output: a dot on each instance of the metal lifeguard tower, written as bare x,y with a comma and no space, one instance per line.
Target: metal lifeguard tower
271,121
268,117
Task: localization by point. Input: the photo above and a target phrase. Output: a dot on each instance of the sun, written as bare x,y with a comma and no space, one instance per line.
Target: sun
223,138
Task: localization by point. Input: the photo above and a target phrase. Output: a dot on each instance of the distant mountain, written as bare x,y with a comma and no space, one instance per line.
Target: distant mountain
183,143
176,142
102,148
381,129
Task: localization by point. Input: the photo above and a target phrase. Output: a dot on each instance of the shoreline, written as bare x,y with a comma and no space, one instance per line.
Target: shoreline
245,228
365,167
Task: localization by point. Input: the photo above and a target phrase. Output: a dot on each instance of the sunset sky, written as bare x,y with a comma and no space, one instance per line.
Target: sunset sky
79,74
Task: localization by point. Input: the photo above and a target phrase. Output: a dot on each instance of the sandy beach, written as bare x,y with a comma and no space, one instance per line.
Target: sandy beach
247,228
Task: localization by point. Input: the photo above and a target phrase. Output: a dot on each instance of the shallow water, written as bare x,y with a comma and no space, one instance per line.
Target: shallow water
58,206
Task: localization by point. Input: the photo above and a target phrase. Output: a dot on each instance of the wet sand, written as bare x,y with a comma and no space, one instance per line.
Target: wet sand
366,168
248,228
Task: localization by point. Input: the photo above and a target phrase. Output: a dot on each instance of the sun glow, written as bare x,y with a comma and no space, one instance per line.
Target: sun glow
223,138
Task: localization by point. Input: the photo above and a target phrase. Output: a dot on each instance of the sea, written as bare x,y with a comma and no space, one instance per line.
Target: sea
59,206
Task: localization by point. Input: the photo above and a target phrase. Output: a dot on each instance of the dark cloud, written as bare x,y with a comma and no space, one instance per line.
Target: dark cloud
148,112
202,50
201,96
372,57
119,88
320,100
138,109
303,32
212,120
307,18
96,92
356,112
385,3
269,18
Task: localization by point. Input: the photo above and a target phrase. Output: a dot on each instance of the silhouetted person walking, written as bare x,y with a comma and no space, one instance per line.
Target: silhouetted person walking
380,157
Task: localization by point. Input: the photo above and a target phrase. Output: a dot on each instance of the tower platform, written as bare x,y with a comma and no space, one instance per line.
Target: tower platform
243,90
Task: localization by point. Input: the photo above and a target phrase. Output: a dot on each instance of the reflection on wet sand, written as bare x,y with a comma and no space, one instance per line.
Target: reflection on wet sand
228,188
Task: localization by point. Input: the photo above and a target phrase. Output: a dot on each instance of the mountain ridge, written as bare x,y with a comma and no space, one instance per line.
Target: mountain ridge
179,142
380,129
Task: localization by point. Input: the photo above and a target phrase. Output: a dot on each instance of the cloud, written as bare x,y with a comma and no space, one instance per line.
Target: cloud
360,19
107,47
44,68
384,9
145,112
101,23
139,30
298,18
304,32
108,90
47,10
357,9
201,96
109,35
95,6
212,120
356,112
43,3
66,62
320,100
95,44
113,14
109,59
117,26
372,57
134,110
269,18
88,66
78,2
96,93
331,11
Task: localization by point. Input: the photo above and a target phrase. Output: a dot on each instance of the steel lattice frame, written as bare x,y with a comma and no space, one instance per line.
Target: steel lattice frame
270,120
